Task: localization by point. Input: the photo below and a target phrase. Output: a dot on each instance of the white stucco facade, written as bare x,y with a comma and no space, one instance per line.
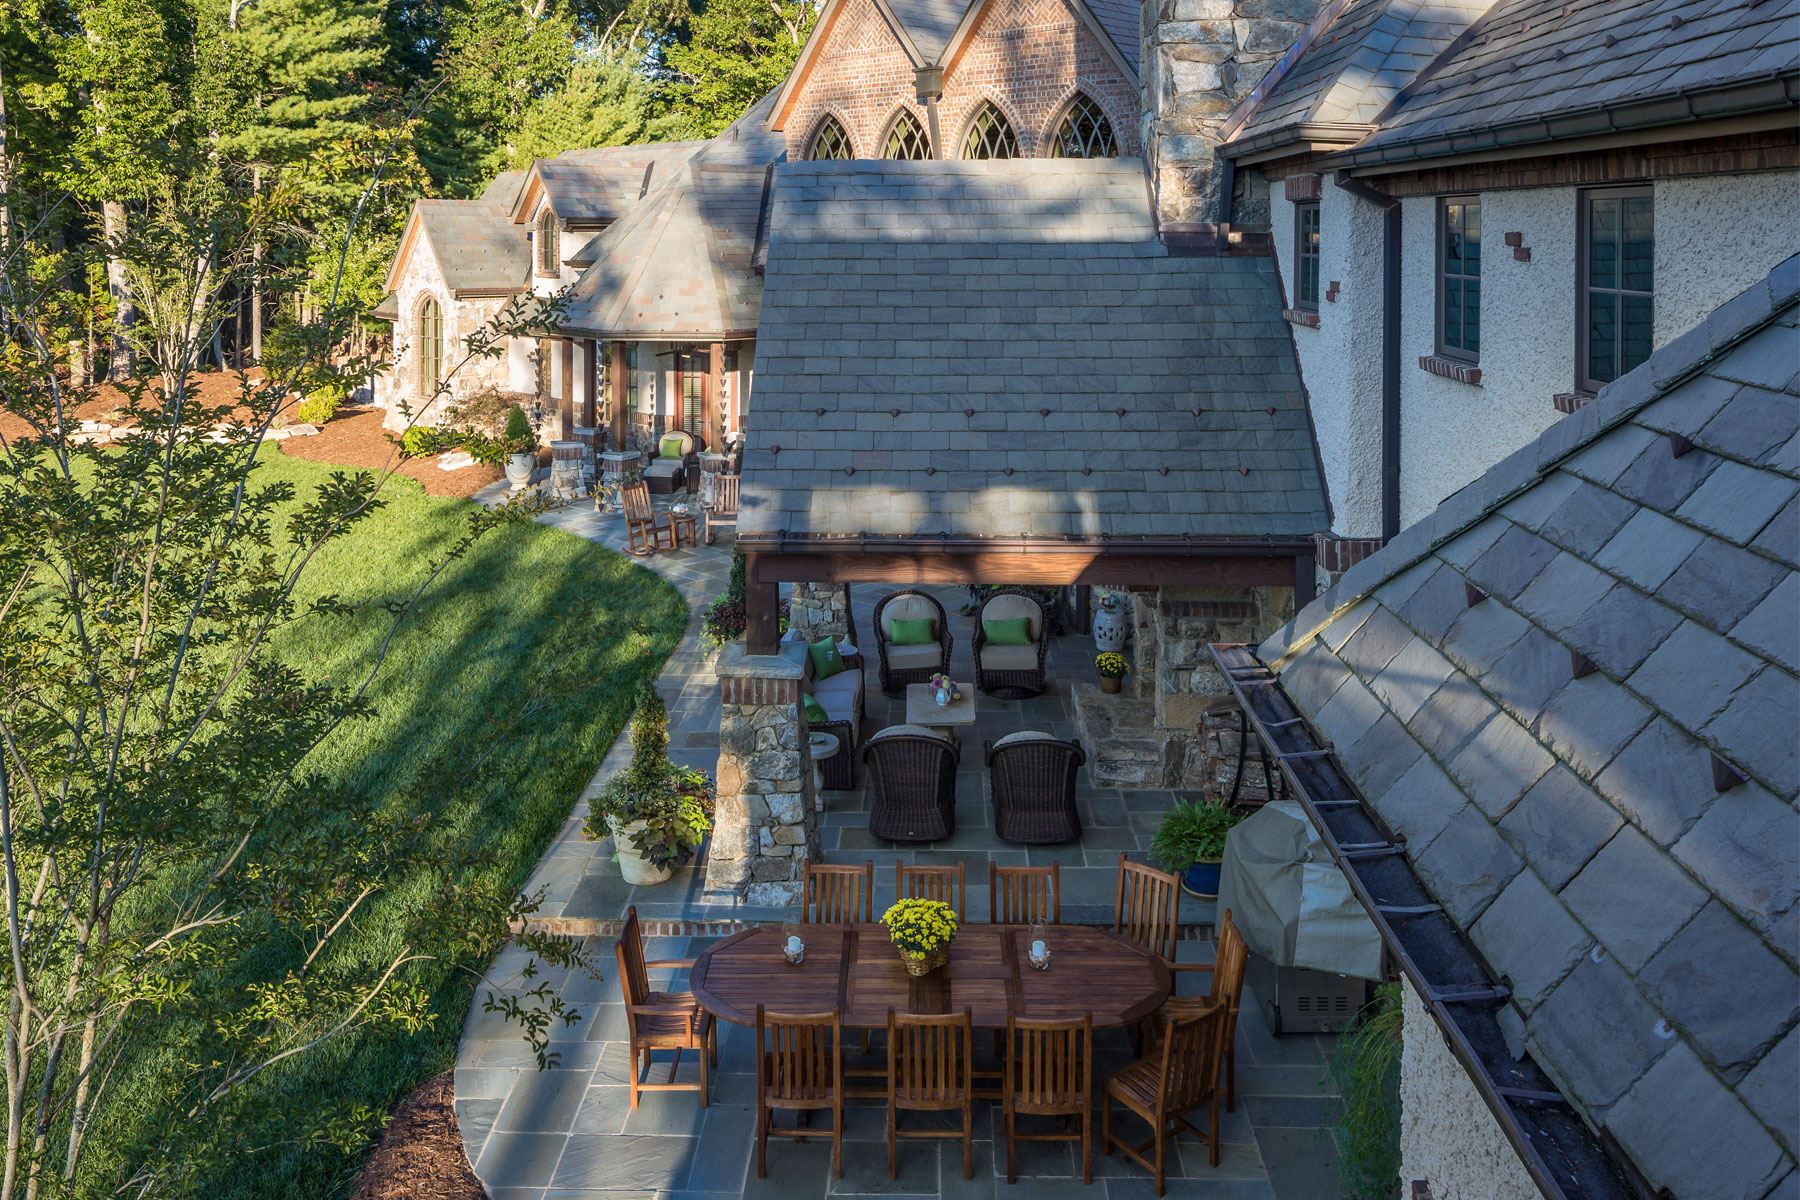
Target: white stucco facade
1340,360
1717,235
1448,1138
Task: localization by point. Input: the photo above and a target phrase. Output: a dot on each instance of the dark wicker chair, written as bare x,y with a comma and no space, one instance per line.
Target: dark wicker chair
914,777
903,665
1033,778
1012,672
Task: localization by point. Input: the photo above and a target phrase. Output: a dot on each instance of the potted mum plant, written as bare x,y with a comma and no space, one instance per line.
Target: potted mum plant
921,931
656,812
1191,842
1112,667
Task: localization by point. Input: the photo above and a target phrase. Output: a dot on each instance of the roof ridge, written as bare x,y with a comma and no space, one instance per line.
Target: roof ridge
1748,313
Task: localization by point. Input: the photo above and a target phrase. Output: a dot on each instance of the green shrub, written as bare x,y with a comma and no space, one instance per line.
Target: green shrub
319,407
1192,831
422,442
518,425
1366,1068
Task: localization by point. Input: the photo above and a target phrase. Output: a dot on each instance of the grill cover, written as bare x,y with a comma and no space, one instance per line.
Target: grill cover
1290,901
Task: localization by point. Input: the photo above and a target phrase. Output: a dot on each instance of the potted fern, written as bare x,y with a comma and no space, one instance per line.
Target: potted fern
657,813
1191,843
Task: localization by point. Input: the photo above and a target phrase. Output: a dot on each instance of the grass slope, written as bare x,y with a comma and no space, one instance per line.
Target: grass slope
462,656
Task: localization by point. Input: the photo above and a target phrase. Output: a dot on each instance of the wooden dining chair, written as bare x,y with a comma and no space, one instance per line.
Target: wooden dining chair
724,510
931,1062
1048,1068
800,1068
1227,971
1165,1085
1025,895
839,895
661,1020
932,883
1146,907
644,535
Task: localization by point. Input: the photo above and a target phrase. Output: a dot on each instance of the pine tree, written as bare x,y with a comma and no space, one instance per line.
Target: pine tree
733,53
603,104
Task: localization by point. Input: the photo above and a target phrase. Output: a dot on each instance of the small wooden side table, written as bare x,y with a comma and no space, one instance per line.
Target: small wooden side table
685,525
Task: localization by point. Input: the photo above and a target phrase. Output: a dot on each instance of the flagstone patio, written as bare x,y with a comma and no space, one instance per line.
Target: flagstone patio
567,1133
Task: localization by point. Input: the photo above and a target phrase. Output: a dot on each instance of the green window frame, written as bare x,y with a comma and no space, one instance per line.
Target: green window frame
1306,255
1459,278
1615,284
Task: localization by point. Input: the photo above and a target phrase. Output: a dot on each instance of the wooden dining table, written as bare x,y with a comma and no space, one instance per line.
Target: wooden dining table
856,970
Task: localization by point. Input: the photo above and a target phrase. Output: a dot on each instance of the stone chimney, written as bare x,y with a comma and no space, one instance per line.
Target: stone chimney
1201,57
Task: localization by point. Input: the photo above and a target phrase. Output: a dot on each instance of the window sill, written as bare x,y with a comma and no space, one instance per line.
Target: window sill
1450,368
1296,316
1568,402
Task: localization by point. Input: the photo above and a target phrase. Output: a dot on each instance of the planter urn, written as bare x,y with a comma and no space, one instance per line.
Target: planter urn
519,469
1202,879
636,869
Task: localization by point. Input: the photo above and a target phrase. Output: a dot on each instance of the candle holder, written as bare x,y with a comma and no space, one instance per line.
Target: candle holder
792,947
1039,954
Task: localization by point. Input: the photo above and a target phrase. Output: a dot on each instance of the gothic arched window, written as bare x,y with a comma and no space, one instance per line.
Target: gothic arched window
431,346
990,135
829,141
906,138
1084,131
548,263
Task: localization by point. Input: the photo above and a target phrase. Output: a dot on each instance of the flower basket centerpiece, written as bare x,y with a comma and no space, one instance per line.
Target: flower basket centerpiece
921,931
1191,843
943,688
1112,667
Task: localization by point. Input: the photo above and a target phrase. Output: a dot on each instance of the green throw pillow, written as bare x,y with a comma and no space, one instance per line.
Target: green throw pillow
671,446
815,712
912,633
826,660
1013,632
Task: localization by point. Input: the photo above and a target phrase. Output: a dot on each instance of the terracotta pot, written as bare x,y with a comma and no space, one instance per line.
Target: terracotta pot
1110,684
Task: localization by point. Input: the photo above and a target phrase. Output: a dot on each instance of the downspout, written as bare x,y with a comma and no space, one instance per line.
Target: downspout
928,85
1390,346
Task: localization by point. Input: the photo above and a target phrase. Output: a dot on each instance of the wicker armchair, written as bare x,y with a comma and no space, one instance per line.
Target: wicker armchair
841,696
903,665
915,784
1033,776
1011,672
666,475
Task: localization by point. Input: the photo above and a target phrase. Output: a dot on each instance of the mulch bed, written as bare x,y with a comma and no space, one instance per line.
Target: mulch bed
421,1154
355,438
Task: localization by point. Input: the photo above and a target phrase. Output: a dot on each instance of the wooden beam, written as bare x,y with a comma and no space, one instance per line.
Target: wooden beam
1044,568
621,391
715,396
590,399
762,609
566,402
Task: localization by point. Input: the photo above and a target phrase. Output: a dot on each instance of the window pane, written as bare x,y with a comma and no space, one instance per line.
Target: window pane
1453,238
1638,243
1453,308
907,140
1471,239
1084,133
990,136
1634,332
1603,336
1603,250
1472,316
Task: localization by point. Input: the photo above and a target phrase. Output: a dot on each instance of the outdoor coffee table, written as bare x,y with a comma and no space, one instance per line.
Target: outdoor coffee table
923,709
856,970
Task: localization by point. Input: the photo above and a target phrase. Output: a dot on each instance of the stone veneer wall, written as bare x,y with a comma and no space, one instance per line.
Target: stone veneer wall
422,277
765,830
817,609
1200,58
1448,1138
1187,618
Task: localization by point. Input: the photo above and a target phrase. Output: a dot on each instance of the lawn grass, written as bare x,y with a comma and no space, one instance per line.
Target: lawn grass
461,658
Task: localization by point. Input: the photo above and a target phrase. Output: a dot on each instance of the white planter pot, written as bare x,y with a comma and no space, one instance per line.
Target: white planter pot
1111,628
519,468
633,865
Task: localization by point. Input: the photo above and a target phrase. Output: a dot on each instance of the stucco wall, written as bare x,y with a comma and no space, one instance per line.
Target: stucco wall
461,318
1340,361
1716,236
1447,1135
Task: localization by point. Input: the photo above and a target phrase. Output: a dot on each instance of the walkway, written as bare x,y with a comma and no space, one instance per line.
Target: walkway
569,1134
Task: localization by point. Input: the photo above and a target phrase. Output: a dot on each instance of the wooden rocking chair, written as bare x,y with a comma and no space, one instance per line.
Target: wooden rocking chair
724,510
644,535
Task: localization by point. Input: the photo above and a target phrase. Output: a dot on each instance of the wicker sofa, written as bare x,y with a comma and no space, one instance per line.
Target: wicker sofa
1011,672
903,665
914,784
1033,777
841,696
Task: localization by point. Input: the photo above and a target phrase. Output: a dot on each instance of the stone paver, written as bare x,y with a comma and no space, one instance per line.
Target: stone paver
569,1133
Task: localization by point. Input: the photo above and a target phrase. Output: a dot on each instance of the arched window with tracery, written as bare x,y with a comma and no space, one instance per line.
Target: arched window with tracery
829,141
1084,131
990,135
546,243
431,346
906,138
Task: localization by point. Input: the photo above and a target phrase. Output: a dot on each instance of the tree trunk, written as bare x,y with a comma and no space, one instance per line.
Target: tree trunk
118,286
256,258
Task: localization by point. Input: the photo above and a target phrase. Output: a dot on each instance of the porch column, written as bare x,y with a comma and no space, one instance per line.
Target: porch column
590,382
566,392
762,602
764,827
621,388
715,398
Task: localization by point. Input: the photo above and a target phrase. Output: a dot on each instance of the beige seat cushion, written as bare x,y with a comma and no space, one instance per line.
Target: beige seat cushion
909,608
839,705
1010,658
907,657
1025,735
844,683
1011,608
914,730
665,467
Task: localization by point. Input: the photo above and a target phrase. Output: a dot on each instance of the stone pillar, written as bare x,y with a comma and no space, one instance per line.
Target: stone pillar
618,468
1201,58
817,609
765,830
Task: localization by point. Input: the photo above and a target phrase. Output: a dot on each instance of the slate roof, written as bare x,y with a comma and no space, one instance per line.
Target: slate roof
1120,20
1358,64
596,187
503,189
1648,923
1533,70
929,23
476,246
930,325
